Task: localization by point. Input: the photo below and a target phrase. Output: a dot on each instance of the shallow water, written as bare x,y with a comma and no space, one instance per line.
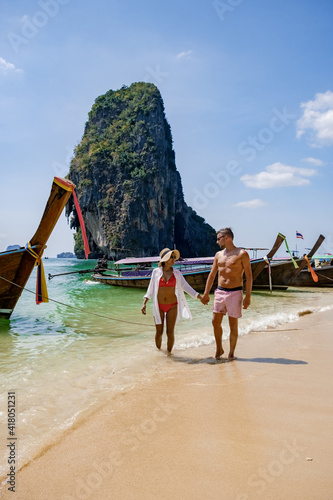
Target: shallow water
64,362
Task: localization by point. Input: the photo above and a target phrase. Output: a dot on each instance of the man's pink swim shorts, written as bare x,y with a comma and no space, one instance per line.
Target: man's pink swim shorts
228,300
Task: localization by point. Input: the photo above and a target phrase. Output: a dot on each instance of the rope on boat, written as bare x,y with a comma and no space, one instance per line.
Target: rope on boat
80,308
323,275
41,289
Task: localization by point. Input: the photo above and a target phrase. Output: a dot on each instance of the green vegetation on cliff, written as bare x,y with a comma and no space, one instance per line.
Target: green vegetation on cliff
118,135
78,244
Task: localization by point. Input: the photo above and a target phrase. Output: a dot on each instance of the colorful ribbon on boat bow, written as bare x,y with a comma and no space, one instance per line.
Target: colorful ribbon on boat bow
83,228
41,289
313,274
69,186
293,261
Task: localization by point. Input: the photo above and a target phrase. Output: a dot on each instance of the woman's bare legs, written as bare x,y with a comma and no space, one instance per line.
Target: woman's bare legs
159,331
171,317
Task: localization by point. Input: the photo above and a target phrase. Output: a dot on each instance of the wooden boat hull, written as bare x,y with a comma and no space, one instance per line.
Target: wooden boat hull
17,265
325,277
267,287
124,281
284,275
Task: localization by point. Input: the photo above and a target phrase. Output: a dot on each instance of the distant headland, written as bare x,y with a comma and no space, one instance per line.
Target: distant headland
66,255
12,247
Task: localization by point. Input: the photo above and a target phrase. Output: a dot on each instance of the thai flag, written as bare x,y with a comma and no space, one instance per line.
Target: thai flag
299,235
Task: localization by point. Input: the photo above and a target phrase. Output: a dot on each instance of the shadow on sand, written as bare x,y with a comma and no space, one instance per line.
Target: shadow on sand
277,361
213,361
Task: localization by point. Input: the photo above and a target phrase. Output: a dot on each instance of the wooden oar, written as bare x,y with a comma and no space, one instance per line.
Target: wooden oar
72,272
260,266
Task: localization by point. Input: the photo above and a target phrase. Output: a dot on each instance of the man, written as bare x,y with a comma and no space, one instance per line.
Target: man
230,263
102,264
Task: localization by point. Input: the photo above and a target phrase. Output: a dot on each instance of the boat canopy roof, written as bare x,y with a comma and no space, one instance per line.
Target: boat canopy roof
196,260
148,260
138,260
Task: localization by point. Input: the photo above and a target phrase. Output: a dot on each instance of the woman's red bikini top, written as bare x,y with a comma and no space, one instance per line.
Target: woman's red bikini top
171,281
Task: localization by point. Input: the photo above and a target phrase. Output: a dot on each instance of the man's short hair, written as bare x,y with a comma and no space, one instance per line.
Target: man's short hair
226,231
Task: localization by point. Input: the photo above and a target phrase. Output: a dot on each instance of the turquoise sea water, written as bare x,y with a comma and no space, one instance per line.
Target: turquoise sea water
63,363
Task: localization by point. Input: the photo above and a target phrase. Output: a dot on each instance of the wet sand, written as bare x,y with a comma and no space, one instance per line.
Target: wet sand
258,427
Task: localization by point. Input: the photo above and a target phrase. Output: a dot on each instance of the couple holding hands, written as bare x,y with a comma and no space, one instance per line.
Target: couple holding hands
167,287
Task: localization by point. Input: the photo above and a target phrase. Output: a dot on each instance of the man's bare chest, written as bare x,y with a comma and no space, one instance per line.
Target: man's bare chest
230,262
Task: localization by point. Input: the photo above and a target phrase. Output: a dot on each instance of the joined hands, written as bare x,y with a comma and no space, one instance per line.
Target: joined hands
204,299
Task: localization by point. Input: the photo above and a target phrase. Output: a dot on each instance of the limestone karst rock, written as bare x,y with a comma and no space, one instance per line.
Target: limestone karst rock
129,189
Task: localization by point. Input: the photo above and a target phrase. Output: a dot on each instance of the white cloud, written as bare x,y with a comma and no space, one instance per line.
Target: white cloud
278,175
314,161
185,54
7,67
317,119
250,204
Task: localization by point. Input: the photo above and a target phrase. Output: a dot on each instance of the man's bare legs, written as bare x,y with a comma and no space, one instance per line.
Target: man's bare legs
171,317
233,323
217,325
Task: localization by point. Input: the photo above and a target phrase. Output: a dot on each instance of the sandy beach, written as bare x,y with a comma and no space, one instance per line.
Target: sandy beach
259,427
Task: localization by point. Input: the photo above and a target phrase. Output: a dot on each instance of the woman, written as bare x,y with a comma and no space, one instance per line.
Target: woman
167,286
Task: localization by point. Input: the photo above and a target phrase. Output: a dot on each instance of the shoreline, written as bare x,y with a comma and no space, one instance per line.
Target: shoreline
240,430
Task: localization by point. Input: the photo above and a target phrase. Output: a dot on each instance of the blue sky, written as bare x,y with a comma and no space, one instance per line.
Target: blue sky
248,92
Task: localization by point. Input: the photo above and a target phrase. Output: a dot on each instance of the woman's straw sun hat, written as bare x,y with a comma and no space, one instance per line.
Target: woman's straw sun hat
166,253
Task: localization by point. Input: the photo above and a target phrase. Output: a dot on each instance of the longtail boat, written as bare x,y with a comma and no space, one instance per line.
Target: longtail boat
17,265
285,273
136,272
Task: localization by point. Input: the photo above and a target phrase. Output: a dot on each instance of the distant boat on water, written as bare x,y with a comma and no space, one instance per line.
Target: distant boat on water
17,264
